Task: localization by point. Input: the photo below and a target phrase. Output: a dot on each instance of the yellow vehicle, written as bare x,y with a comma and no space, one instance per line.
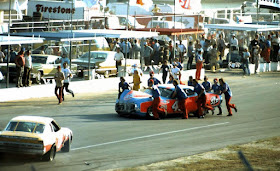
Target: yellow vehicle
44,66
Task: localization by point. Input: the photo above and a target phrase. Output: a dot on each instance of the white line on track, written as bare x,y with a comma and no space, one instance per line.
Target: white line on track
149,136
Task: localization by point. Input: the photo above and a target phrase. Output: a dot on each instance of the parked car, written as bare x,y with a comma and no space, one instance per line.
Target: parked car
35,135
44,66
165,24
12,71
102,61
140,103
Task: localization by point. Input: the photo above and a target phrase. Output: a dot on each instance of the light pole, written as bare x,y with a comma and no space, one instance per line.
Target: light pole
174,45
258,8
127,15
70,50
9,47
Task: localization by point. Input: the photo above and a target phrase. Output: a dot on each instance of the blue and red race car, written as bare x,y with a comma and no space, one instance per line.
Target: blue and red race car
140,103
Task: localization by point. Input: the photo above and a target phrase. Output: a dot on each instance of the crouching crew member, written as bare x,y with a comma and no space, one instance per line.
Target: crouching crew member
156,96
228,94
217,90
182,97
201,98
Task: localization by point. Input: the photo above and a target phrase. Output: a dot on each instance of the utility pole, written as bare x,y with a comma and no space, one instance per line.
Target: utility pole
174,45
9,47
70,50
258,10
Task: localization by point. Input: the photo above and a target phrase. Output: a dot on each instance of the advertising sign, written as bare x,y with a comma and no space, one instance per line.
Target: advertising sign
55,10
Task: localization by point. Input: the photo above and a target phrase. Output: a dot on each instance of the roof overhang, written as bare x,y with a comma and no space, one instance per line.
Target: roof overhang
243,27
12,40
79,35
172,32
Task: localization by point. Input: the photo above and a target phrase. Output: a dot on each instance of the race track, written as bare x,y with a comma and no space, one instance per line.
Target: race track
103,140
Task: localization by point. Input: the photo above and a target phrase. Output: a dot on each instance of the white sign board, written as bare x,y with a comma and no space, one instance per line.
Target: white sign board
60,10
270,3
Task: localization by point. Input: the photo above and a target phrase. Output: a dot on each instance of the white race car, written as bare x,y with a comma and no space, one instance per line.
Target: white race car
35,135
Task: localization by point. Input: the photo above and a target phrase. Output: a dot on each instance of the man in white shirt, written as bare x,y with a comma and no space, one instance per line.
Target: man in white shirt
118,58
175,71
27,69
182,51
234,42
67,74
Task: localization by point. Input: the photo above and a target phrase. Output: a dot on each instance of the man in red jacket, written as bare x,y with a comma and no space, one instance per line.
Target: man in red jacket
20,62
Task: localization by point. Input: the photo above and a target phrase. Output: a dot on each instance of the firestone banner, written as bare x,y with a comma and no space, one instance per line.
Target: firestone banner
55,10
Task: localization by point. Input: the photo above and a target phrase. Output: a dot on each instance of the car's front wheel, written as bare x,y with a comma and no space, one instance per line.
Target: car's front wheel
67,146
106,74
149,114
50,155
38,77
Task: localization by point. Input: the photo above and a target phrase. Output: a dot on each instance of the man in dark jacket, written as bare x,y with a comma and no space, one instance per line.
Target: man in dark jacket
20,62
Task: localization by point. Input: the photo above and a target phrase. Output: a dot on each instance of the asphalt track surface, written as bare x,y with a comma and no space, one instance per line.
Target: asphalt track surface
103,140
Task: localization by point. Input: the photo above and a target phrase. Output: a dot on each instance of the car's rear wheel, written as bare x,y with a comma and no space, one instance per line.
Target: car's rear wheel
106,74
50,155
67,146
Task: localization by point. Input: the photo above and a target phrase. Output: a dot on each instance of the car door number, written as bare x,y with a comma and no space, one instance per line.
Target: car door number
175,106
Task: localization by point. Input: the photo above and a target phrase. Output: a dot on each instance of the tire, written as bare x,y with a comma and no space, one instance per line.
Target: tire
38,77
50,155
149,114
106,74
67,146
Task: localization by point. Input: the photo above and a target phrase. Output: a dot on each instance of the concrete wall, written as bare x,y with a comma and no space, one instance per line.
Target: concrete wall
265,67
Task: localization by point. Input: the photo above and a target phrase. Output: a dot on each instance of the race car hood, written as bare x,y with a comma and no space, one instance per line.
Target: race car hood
131,95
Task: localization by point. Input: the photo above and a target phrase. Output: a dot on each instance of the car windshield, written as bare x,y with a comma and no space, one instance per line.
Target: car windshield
189,92
92,56
39,59
101,56
165,92
26,127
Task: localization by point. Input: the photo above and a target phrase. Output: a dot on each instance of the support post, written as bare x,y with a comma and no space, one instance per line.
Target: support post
89,54
9,47
70,50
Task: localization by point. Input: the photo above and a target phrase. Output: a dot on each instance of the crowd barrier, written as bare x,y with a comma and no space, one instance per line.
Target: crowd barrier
87,86
265,67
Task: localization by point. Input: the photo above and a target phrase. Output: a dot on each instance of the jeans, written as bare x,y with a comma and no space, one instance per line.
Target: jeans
190,61
246,67
59,94
20,71
65,86
26,76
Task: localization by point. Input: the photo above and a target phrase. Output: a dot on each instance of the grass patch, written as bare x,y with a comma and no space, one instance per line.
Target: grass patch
262,155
